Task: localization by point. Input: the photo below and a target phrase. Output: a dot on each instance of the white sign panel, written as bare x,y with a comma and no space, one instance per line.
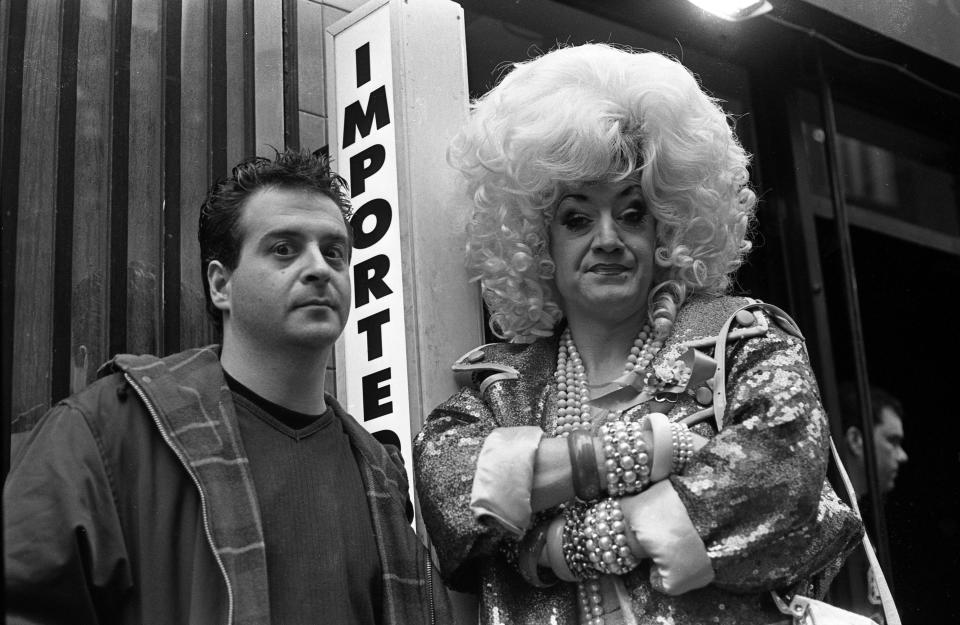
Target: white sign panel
373,346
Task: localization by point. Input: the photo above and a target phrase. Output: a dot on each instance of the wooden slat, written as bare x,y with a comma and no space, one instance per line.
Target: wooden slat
217,103
312,95
170,251
13,18
250,76
291,75
5,8
91,225
119,178
268,75
30,393
145,206
194,167
61,370
239,137
313,131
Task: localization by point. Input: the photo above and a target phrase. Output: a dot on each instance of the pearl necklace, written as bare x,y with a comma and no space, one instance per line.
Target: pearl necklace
573,411
573,394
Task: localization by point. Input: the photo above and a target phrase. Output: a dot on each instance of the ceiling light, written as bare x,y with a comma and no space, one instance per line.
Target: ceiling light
734,10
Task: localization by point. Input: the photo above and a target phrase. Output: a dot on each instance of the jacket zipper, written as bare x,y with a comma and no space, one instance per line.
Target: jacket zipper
196,482
433,614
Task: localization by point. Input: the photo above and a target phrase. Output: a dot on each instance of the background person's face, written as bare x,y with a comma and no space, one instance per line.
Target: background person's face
602,241
291,285
888,443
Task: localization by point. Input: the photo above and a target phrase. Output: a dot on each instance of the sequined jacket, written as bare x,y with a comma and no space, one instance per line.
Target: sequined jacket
756,493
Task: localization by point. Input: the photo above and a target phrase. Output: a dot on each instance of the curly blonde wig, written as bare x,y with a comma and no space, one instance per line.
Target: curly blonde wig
596,113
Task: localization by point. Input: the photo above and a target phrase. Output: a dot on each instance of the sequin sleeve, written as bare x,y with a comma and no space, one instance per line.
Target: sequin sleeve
754,491
445,460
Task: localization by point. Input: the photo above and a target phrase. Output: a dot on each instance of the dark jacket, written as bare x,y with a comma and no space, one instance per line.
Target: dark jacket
132,502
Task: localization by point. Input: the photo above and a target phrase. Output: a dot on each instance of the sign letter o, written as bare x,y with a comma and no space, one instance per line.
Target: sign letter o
380,210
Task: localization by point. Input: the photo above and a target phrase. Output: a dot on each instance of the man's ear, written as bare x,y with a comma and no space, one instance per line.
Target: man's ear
218,278
854,439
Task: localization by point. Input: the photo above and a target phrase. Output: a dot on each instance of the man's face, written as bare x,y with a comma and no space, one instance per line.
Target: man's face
291,285
888,443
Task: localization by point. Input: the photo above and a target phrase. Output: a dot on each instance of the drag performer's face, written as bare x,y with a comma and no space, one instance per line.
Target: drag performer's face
602,240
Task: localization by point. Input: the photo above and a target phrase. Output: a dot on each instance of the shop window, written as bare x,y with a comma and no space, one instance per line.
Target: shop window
895,180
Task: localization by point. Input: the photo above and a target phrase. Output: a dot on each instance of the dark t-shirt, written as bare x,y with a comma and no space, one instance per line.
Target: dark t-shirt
322,561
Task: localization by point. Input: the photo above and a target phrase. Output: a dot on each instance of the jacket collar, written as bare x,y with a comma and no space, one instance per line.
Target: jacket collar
191,405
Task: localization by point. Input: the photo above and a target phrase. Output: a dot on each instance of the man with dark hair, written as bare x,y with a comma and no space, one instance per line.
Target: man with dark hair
887,438
857,582
222,484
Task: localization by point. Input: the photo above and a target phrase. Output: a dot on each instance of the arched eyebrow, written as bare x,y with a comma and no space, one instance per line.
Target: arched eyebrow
625,192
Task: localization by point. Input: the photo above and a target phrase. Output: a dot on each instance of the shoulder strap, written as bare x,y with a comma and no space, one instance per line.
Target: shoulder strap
720,351
473,369
720,404
886,597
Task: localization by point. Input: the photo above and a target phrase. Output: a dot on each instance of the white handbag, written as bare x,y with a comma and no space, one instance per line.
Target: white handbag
807,611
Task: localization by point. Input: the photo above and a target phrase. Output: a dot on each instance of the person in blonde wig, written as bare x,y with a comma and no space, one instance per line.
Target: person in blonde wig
585,472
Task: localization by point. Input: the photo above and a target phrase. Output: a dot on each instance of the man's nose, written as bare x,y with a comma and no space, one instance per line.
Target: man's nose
316,266
902,455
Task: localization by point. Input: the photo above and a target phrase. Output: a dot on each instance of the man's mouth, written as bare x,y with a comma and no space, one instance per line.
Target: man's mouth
314,303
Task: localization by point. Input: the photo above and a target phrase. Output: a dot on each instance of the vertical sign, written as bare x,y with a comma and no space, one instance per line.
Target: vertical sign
372,353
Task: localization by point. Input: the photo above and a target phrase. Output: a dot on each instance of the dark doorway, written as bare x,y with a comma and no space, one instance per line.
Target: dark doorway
912,341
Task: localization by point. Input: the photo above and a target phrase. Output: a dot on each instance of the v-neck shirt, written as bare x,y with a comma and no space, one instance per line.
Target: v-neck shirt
322,560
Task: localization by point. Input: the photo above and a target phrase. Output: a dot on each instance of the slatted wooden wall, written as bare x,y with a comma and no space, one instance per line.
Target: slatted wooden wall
117,115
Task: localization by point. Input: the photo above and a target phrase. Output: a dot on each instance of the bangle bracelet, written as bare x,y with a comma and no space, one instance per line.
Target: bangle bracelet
659,427
583,465
682,441
529,555
606,543
555,550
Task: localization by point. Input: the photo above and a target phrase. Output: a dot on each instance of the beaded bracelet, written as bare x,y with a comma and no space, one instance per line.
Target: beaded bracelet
626,460
574,548
682,442
528,556
606,538
583,464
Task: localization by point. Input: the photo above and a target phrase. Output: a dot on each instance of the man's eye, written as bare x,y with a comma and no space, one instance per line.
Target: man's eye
335,253
282,249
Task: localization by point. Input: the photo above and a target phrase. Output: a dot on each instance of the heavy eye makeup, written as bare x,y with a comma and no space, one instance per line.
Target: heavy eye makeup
634,215
573,218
